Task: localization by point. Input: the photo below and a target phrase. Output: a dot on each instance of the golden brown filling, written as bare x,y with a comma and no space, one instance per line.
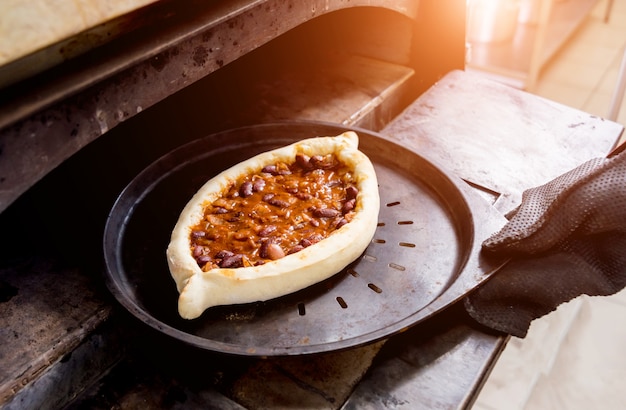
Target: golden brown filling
276,212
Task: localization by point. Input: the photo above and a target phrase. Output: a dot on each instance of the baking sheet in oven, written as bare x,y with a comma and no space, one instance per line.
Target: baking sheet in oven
424,256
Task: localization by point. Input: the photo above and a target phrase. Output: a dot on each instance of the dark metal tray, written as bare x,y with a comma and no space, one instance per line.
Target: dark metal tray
425,254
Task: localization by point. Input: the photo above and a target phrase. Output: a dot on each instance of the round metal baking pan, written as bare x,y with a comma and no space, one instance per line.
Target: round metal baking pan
424,256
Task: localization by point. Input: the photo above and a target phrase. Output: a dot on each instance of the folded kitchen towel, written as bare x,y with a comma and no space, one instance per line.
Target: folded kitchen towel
567,238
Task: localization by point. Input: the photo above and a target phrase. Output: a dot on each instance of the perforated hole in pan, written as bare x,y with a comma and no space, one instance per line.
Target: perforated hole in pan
354,272
410,260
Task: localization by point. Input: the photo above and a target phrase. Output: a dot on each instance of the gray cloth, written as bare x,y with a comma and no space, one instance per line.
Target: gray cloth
567,238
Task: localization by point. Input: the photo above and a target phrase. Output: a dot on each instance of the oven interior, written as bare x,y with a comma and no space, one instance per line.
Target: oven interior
357,66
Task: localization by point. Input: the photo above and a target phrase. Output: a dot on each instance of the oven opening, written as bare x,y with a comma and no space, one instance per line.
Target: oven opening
357,66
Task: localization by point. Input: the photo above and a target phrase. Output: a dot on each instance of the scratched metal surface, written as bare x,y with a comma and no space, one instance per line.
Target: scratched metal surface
498,137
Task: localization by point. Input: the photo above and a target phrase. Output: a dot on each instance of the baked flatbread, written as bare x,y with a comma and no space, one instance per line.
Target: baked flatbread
336,225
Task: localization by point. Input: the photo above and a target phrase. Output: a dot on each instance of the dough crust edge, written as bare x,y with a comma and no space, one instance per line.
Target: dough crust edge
200,290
